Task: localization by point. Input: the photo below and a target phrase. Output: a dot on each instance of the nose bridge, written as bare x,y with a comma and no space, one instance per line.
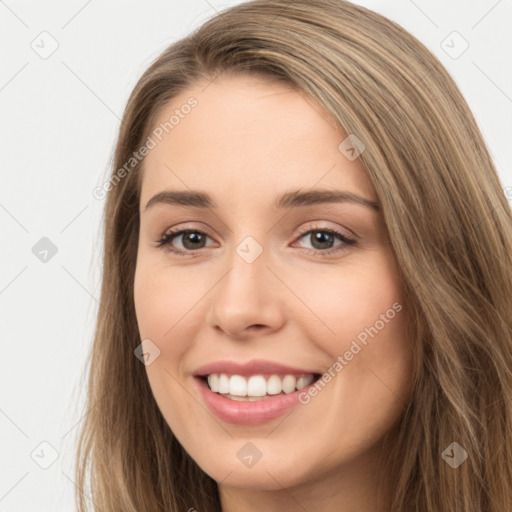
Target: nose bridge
247,294
248,275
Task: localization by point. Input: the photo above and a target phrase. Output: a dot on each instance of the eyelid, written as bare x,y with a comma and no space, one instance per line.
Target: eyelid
305,230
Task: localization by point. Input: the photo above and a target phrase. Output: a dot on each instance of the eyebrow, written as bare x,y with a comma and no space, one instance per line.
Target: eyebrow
198,199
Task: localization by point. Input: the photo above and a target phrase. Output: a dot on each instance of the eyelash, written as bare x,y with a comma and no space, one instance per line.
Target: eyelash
166,239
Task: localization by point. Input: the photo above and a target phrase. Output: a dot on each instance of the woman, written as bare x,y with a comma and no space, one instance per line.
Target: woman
234,367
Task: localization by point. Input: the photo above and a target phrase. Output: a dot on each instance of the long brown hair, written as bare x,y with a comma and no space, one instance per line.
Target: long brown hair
449,224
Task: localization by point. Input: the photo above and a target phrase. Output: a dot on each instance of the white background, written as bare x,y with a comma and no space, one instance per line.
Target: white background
60,117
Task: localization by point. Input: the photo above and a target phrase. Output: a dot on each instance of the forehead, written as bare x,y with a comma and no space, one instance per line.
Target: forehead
245,133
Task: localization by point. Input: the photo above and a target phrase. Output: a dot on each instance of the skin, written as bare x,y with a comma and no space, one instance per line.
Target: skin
291,305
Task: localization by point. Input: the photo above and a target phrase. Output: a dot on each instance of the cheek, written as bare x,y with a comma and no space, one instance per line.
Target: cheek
168,313
364,309
163,309
360,303
164,305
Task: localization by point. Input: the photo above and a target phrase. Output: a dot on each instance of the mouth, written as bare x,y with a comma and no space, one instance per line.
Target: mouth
254,392
257,387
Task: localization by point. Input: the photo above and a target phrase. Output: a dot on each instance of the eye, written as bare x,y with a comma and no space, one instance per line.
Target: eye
322,240
192,239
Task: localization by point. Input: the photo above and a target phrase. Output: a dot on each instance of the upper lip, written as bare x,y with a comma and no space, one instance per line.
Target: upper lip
255,366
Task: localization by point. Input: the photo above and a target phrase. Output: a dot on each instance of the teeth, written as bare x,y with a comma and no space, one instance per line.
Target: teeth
289,383
237,385
257,385
302,382
223,383
213,382
274,385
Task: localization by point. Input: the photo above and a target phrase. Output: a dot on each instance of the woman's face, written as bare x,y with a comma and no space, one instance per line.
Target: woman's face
263,289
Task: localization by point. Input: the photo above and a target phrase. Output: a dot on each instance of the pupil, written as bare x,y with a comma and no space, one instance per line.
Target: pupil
187,236
320,238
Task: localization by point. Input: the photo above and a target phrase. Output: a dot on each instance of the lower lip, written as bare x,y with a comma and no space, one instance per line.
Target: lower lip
248,413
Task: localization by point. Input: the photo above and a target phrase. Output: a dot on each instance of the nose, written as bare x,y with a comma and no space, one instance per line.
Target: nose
248,300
